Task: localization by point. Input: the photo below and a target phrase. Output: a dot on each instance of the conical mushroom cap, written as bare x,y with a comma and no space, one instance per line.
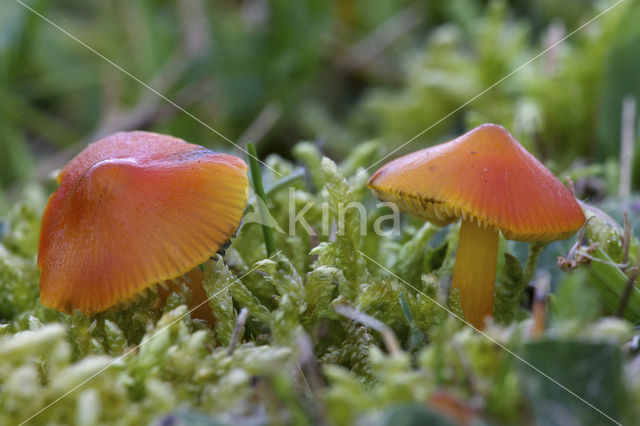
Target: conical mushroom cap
486,176
134,209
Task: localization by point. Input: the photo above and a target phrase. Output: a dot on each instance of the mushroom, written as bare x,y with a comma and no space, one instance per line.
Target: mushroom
490,181
132,210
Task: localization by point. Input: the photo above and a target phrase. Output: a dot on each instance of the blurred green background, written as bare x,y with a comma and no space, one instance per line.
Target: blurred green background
335,72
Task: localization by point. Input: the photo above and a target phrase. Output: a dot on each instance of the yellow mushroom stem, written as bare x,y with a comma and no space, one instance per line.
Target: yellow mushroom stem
475,271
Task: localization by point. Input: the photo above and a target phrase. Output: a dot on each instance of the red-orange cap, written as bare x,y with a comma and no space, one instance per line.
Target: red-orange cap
134,209
485,176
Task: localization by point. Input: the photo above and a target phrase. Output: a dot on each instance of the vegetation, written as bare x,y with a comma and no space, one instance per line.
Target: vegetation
344,326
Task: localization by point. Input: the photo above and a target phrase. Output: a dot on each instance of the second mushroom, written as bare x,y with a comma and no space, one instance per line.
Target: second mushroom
486,178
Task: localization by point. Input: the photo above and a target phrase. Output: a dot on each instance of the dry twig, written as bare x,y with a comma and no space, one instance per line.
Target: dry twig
238,330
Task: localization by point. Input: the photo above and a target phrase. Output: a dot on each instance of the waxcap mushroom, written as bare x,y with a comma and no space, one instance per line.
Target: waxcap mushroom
486,176
132,210
490,181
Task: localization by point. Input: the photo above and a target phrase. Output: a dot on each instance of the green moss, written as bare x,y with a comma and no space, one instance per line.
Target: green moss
150,360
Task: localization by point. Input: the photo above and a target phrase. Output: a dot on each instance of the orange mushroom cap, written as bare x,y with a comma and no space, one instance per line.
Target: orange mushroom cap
484,175
134,209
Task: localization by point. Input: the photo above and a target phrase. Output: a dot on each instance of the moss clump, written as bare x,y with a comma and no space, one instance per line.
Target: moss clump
151,362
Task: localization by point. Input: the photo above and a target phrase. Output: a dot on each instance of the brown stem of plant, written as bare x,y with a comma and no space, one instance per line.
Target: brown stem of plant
310,371
539,308
626,294
260,126
238,330
627,139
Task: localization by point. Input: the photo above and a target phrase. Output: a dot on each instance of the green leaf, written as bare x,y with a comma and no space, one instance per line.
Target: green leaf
413,415
610,282
593,371
508,291
576,299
